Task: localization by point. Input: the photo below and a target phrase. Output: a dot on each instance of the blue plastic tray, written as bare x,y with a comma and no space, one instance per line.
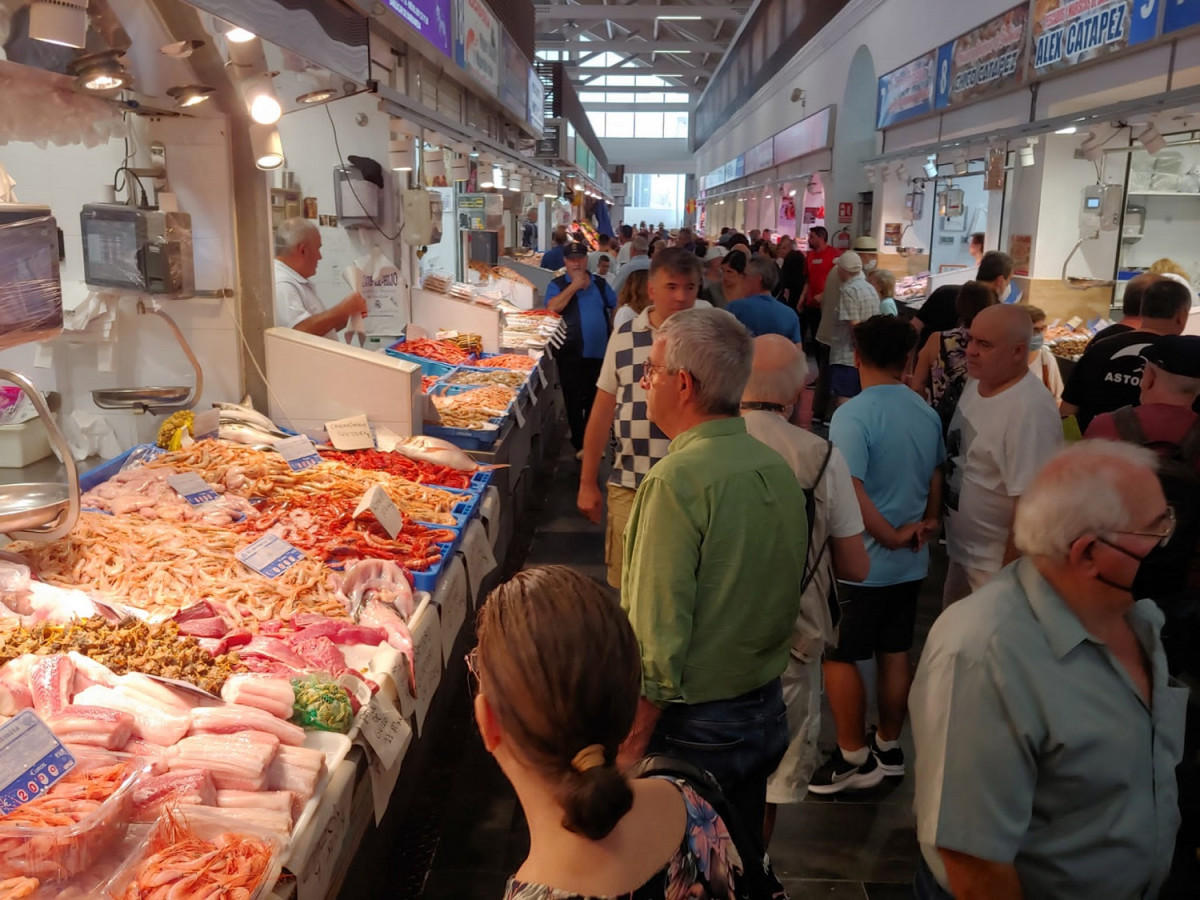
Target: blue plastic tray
480,481
428,580
522,391
464,511
465,438
428,366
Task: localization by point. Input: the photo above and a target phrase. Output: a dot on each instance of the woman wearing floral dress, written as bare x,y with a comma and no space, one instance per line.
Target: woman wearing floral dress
559,678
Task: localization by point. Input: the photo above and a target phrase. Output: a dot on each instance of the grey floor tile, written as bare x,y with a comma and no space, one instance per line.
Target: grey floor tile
845,841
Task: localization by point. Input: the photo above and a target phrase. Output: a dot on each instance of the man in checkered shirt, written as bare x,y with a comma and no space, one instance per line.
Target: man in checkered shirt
620,404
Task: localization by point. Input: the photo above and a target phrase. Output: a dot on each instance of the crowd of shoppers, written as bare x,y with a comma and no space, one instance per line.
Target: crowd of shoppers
753,556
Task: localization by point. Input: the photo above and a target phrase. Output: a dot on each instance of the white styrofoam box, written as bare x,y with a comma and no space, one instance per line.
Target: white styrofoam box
24,444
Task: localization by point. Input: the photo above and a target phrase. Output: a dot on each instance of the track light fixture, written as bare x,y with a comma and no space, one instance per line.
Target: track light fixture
188,95
267,146
1150,138
61,22
258,93
931,166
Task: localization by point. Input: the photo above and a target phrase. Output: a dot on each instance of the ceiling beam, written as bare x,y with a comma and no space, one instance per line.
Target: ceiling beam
639,89
632,46
591,13
659,68
638,107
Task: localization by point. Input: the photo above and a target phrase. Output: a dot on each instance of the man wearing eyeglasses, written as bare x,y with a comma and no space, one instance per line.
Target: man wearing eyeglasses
1046,726
714,559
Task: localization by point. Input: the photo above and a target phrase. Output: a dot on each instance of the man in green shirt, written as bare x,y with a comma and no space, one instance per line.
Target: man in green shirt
714,556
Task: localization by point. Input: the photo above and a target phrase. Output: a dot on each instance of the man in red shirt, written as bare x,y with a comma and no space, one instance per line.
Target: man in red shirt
1170,385
819,262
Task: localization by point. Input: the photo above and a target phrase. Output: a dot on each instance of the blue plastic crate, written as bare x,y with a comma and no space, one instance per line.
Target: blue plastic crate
428,366
428,580
480,481
522,391
464,511
465,438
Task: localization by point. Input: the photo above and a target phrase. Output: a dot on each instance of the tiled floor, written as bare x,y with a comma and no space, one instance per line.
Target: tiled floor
860,846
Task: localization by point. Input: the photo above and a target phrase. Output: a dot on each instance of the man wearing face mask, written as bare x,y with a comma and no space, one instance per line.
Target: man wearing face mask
1046,730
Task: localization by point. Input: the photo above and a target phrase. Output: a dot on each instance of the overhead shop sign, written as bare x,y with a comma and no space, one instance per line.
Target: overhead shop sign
514,82
429,18
984,60
535,102
907,92
1069,32
1181,14
760,157
809,135
477,47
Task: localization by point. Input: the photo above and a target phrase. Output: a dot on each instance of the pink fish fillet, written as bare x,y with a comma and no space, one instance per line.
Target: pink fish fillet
236,762
89,672
150,723
343,632
275,650
182,786
296,769
319,654
234,718
273,695
280,801
51,680
14,676
92,725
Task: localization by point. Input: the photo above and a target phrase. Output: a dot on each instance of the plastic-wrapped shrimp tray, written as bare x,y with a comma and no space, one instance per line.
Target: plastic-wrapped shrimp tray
95,477
60,852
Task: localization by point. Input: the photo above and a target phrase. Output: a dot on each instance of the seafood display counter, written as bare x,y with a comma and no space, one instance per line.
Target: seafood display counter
266,638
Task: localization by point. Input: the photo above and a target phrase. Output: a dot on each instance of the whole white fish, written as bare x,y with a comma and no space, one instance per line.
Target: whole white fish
242,433
248,414
437,451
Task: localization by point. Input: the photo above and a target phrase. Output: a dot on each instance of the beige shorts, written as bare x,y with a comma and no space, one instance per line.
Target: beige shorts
802,697
620,505
962,581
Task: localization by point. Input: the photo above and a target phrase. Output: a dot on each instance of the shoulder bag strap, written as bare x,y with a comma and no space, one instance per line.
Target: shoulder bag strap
811,571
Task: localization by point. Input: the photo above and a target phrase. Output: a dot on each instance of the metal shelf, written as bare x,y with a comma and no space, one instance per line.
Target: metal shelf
1162,194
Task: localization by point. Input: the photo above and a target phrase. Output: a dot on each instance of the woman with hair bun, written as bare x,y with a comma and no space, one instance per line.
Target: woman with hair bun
559,677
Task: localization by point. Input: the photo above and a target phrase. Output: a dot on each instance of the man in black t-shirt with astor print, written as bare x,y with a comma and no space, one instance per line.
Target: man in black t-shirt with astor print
1109,375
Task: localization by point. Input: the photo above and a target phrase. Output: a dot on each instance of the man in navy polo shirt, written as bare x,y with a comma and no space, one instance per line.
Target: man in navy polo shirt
586,304
759,311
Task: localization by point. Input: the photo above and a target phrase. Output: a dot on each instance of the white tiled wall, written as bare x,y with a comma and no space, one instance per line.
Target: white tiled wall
145,352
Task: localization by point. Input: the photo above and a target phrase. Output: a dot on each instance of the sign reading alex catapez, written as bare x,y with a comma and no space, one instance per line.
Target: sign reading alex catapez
984,60
1069,32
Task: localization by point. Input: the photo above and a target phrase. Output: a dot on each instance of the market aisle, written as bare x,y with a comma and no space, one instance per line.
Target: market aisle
860,846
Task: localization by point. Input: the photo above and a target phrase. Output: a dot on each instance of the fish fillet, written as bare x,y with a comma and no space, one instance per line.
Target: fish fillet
51,680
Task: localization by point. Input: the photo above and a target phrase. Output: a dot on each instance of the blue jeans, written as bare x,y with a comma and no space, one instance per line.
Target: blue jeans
740,741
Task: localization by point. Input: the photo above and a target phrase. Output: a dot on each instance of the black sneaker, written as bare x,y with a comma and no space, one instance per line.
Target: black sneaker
891,762
838,775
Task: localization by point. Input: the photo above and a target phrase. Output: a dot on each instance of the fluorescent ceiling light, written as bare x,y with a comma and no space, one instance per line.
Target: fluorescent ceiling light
1070,129
673,51
61,22
678,18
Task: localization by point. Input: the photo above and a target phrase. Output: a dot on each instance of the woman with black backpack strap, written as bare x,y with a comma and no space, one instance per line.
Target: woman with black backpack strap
559,677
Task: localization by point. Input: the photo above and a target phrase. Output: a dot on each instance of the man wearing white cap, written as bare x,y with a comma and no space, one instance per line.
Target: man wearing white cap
712,290
831,300
858,301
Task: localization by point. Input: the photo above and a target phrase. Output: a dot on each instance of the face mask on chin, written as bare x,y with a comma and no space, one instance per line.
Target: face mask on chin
1139,587
870,264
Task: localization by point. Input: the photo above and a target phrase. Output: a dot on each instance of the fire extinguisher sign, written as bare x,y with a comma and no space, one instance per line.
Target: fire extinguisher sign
845,213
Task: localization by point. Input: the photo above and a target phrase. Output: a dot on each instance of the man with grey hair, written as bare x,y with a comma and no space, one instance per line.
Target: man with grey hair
1046,730
1004,428
758,310
836,551
298,250
714,558
638,261
857,301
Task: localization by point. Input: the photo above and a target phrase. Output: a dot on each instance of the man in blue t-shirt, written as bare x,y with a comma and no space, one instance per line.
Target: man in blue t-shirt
552,259
759,311
586,304
892,442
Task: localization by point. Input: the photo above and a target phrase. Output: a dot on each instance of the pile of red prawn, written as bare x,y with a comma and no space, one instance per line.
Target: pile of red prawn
438,351
507,361
400,465
182,864
325,529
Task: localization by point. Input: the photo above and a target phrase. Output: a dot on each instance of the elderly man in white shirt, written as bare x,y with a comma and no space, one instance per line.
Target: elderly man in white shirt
298,250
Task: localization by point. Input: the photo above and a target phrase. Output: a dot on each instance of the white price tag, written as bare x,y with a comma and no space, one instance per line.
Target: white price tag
533,397
353,433
206,424
383,508
542,375
478,556
192,488
299,452
451,599
314,863
383,779
270,556
427,650
520,416
385,730
31,760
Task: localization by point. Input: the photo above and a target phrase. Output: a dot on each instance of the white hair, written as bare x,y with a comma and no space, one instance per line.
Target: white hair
715,349
1079,491
292,233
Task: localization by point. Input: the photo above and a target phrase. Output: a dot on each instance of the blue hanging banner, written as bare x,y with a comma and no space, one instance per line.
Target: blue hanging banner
1181,14
1069,32
907,92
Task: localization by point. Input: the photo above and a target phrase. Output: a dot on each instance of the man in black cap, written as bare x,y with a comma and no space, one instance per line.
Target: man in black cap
586,304
1170,385
1107,376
